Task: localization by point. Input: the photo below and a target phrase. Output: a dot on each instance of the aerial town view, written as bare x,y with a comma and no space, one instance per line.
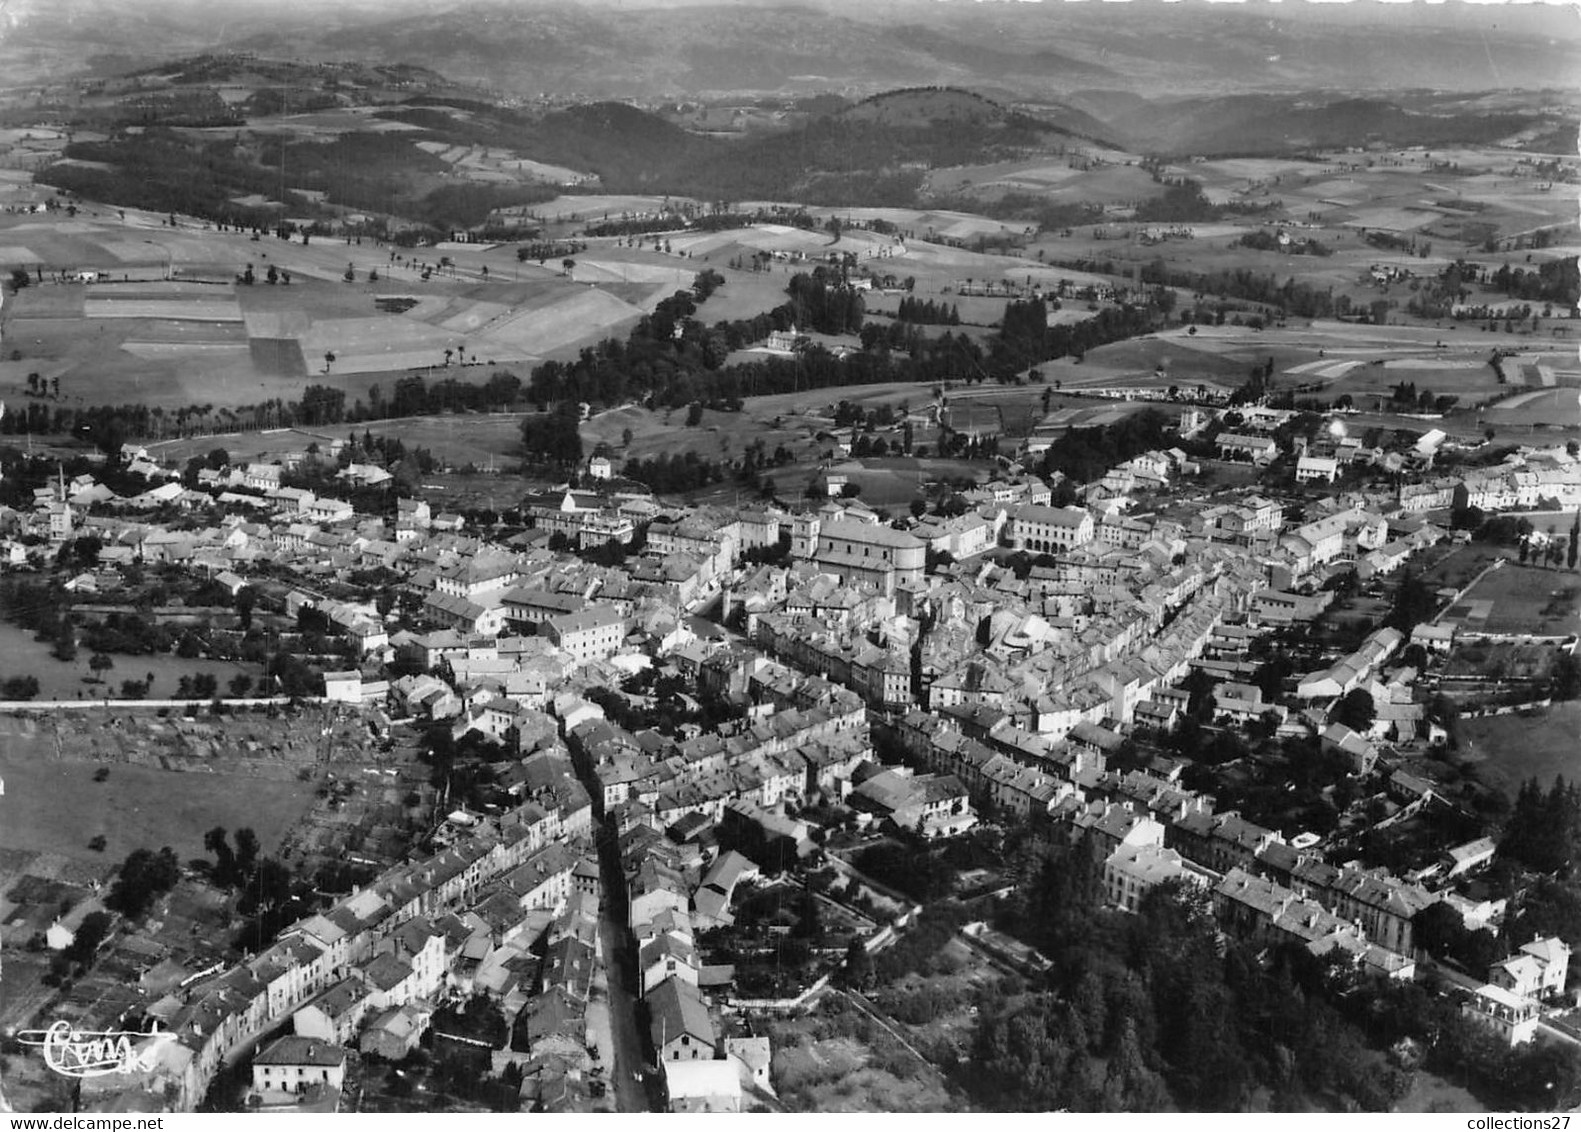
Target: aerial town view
744,556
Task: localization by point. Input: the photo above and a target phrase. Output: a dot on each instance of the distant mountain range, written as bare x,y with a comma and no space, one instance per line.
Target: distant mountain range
652,49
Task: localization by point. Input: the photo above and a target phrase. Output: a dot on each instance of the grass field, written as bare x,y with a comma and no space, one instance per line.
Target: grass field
456,440
21,655
54,805
1530,599
1509,749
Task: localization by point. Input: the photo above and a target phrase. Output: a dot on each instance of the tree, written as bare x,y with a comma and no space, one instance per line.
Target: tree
246,850
1565,681
214,842
1356,710
19,687
1414,603
143,877
90,934
100,663
240,685
19,278
858,971
1575,542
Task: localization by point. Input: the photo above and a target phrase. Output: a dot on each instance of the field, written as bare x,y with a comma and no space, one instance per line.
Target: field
1048,177
1526,599
177,328
53,805
891,483
476,439
1501,660
171,324
20,655
1455,565
1509,749
826,1063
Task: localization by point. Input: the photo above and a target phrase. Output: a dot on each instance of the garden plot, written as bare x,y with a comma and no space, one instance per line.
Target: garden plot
198,310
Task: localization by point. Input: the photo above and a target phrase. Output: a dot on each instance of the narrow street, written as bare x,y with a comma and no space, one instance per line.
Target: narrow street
624,1058
631,1088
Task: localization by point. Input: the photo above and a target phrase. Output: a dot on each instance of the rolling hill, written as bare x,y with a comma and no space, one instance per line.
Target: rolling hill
650,48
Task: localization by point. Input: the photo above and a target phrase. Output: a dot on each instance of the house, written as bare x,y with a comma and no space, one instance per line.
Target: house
590,635
1257,449
667,956
1537,971
335,1016
1317,468
1242,703
679,1024
343,687
703,1086
1510,1016
396,1032
753,1057
292,1065
935,805
1434,637
1132,871
1361,752
1472,855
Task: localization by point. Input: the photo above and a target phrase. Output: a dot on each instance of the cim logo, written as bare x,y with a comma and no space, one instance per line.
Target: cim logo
89,1053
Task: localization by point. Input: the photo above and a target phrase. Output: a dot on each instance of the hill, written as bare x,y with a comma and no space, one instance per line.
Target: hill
597,50
1271,124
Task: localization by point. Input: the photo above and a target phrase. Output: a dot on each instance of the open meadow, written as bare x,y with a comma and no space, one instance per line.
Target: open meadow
54,805
1509,749
1517,599
21,655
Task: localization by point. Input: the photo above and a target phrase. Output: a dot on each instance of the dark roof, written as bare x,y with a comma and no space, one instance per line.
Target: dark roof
675,1008
294,1050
